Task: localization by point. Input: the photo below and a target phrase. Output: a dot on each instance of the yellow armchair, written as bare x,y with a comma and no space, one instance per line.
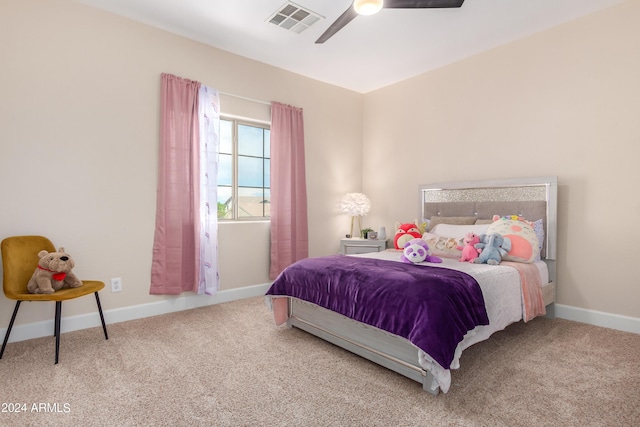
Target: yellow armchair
19,260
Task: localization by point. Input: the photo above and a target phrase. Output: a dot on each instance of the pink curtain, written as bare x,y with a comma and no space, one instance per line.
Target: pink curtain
289,232
176,245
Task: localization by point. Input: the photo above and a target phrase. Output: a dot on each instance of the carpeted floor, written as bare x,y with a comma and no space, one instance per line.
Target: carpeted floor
228,365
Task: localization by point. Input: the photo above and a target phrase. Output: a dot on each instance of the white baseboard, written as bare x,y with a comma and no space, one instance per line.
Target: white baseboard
90,320
598,318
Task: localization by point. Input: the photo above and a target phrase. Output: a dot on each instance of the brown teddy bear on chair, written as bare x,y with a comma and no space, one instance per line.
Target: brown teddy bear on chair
53,273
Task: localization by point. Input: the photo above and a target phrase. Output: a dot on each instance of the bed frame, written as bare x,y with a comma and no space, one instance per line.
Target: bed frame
532,198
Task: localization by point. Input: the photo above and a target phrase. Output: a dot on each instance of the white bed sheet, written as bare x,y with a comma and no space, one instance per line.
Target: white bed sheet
502,294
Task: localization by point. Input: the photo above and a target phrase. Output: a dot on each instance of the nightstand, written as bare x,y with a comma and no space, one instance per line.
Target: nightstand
361,246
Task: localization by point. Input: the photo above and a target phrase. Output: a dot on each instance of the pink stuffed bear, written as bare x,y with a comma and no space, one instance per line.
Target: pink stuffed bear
469,251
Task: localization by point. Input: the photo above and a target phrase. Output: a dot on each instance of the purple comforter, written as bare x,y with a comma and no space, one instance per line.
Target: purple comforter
432,307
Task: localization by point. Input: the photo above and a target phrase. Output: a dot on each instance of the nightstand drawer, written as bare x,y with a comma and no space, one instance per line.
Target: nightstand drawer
361,246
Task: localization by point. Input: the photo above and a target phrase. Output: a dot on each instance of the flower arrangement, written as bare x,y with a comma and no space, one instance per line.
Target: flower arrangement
364,233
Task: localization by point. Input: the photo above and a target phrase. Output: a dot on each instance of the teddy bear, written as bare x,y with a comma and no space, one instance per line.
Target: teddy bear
417,250
492,247
404,233
53,273
469,251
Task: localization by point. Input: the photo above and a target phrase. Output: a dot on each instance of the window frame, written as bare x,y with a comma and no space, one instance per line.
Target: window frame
236,122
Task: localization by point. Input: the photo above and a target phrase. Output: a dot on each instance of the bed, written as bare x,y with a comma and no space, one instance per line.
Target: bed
368,282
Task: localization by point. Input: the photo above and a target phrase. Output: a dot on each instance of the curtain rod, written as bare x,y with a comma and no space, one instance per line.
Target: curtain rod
245,98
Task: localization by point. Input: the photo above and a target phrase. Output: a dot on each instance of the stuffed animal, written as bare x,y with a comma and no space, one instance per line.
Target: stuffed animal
469,251
417,250
525,245
53,273
422,226
492,247
404,233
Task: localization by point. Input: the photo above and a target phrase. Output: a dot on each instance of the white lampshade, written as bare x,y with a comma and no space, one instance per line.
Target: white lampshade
367,7
355,204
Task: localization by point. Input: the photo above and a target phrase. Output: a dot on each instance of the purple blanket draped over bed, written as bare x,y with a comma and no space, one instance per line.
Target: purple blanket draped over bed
432,307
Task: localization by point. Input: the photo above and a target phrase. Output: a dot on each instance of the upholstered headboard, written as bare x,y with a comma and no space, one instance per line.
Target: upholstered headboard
531,198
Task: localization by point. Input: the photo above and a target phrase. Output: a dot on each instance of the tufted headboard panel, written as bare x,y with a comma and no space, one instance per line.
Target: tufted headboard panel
531,198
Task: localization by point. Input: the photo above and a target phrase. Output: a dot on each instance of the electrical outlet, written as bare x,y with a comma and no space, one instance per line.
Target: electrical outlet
116,284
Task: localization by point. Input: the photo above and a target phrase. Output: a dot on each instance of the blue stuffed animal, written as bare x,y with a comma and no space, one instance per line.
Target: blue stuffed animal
492,247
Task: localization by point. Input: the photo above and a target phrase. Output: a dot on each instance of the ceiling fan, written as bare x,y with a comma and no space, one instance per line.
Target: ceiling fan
369,7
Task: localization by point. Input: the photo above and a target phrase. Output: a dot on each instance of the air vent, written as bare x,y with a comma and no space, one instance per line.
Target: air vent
293,17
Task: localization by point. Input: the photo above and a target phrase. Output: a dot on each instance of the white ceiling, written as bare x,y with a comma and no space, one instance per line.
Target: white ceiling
371,51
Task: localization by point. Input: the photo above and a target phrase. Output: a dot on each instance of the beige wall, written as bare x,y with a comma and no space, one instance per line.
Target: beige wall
79,144
564,102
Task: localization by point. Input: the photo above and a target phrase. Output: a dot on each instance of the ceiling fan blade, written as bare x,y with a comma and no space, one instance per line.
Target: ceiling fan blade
342,20
421,4
350,13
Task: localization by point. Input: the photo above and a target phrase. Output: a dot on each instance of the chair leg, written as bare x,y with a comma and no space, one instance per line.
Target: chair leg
56,331
104,325
6,337
57,327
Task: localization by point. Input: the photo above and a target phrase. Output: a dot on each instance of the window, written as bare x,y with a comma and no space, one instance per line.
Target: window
244,170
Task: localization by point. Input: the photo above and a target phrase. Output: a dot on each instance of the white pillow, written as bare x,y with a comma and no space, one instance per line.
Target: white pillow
443,246
459,231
